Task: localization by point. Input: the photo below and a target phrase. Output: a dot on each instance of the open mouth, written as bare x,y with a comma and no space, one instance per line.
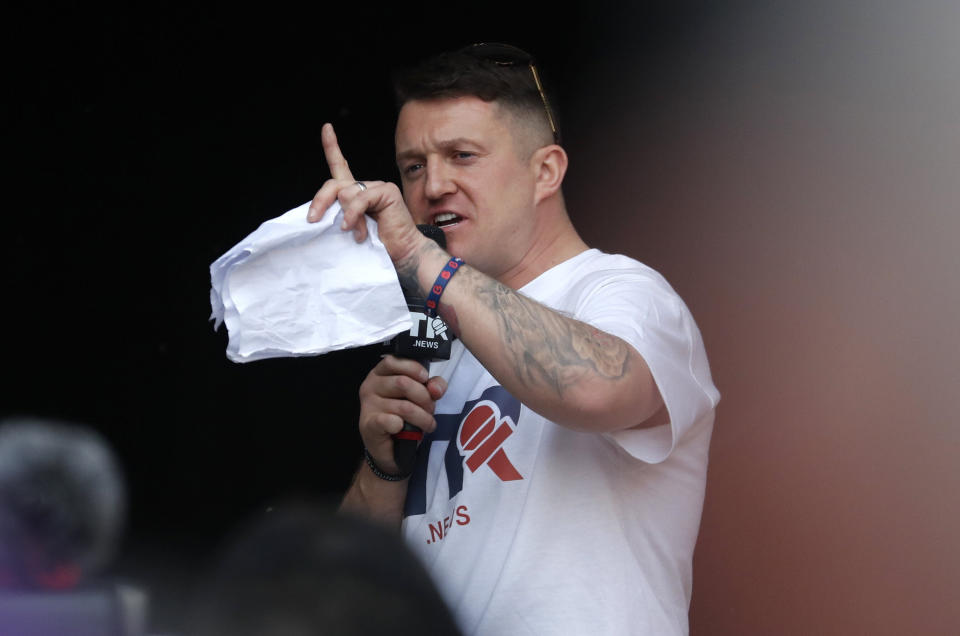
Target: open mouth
446,219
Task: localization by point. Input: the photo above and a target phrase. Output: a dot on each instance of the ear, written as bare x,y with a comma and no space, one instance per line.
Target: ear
550,166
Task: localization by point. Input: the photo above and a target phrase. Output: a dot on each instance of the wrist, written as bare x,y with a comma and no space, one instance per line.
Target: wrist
385,473
409,248
435,291
374,498
417,270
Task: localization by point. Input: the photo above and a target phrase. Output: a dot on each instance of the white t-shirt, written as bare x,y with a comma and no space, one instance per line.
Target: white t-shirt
532,528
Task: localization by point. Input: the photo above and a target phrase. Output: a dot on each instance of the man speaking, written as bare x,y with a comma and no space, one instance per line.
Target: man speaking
559,485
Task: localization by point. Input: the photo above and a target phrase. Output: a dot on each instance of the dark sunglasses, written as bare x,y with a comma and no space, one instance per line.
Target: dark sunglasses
508,55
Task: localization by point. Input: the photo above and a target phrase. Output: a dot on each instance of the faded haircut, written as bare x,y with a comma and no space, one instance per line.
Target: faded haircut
459,74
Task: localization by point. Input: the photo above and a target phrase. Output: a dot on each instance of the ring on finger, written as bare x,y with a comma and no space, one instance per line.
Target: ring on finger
361,185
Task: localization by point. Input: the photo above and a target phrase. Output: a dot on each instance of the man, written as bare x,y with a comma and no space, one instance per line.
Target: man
560,485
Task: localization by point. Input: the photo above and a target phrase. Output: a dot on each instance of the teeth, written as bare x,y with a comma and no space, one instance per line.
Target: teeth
442,218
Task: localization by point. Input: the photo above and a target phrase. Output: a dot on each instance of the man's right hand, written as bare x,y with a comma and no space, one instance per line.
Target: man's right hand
381,200
396,390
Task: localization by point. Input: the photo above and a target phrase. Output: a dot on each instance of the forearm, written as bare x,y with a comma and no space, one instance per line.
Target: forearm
375,498
567,370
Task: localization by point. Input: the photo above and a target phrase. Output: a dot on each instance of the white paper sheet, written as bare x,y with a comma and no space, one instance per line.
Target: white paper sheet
293,288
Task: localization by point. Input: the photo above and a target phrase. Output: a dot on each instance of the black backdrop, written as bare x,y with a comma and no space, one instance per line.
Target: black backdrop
145,143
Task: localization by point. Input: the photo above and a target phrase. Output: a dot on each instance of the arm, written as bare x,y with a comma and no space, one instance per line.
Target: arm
564,369
373,498
396,390
569,371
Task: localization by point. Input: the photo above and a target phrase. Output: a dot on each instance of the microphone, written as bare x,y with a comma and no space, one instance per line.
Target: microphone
62,503
428,339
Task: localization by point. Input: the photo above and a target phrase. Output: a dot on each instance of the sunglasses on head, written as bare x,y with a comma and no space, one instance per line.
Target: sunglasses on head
508,55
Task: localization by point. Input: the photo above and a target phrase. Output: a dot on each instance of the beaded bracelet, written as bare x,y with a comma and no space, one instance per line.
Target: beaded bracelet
379,473
433,300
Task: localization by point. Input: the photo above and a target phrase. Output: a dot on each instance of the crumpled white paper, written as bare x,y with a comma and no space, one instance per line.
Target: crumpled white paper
293,288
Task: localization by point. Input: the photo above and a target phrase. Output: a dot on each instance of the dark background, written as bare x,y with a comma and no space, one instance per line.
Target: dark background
147,143
792,168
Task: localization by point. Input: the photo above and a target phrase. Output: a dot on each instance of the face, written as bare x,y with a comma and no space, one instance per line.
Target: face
461,170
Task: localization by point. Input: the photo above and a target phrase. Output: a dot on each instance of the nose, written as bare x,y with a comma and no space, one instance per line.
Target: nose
439,181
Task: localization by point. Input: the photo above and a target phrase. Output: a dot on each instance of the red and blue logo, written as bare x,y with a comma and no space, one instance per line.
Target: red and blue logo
476,436
482,434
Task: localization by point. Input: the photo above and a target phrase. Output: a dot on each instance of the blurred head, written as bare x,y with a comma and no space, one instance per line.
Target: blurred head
301,570
477,154
62,503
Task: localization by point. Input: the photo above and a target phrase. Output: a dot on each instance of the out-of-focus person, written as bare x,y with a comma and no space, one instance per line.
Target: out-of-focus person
299,569
63,505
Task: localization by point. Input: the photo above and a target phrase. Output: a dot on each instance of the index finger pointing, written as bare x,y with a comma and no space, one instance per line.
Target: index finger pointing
339,169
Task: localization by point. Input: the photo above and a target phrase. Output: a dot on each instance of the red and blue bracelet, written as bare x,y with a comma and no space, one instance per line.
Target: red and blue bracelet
433,300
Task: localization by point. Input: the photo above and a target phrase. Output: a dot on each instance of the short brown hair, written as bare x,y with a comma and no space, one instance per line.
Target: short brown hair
470,72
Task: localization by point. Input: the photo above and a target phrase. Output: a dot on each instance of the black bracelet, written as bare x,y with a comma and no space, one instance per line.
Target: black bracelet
379,473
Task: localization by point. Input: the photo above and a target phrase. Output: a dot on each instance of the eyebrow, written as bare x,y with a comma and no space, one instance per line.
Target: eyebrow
447,145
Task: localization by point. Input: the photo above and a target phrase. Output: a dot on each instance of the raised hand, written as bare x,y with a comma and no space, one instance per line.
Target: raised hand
381,200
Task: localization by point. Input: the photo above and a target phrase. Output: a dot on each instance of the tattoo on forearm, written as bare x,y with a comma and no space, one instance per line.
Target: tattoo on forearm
546,348
407,272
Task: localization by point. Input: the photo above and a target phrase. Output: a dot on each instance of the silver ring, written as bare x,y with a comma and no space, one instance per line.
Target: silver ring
362,185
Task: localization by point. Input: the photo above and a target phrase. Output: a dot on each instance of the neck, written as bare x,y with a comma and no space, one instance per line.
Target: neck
555,241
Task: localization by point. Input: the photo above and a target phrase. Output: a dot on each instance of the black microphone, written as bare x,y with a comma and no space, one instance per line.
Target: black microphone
429,339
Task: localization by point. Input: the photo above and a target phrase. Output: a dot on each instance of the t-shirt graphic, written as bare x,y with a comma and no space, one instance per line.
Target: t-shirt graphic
478,432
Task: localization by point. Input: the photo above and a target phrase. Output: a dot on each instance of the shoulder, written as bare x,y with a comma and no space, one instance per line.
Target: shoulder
599,266
594,277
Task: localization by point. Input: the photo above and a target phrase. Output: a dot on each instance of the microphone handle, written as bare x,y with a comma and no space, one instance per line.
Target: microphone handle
405,442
